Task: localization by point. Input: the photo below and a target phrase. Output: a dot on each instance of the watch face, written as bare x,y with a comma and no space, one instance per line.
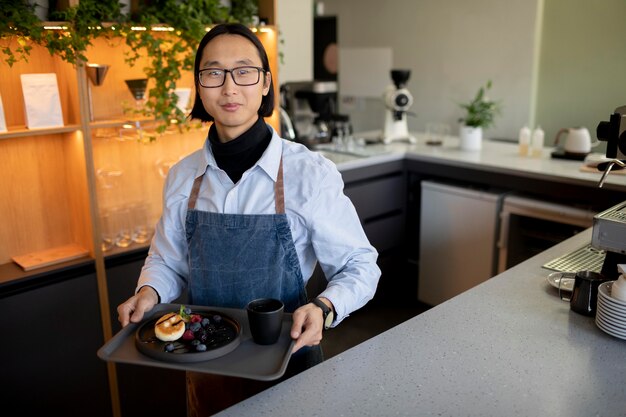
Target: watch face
329,319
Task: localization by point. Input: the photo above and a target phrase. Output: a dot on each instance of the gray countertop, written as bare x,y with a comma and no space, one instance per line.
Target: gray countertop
508,347
495,156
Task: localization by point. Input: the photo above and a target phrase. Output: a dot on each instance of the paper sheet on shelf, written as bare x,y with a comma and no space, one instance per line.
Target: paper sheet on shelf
42,104
3,123
183,98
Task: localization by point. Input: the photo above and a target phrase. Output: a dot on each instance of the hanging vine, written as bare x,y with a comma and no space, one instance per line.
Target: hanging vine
167,32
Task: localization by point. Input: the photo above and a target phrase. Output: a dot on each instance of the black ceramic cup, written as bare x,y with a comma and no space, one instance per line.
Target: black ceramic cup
584,296
265,317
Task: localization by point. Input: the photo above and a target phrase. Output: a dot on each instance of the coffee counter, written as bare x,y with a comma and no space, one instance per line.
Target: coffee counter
496,157
508,347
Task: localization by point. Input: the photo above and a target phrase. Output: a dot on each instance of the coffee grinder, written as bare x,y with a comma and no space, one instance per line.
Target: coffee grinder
609,227
397,100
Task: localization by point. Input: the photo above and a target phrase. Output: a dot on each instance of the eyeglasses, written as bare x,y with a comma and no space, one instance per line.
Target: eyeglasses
216,77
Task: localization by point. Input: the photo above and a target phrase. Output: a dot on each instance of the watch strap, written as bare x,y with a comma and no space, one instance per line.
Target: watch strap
325,310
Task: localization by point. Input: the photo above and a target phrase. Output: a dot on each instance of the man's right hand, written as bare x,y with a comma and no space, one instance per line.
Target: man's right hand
133,309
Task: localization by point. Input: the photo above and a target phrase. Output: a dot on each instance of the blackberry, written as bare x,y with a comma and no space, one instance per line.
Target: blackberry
202,336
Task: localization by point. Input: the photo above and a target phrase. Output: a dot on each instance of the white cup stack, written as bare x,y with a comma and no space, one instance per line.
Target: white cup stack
611,310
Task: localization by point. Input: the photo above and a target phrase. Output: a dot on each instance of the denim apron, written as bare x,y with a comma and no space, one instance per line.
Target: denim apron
234,259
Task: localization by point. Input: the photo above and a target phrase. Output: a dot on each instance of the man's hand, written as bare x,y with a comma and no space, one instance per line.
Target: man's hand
133,309
308,324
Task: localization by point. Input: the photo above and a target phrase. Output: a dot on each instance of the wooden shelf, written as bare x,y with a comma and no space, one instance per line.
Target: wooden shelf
22,131
12,277
102,124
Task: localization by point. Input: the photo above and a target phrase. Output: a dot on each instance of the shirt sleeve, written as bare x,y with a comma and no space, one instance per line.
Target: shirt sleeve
166,268
342,248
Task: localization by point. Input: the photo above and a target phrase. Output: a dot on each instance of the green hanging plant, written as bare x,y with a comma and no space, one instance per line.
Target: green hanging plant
169,53
79,26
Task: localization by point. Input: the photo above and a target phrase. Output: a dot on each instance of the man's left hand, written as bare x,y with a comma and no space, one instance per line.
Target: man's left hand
308,324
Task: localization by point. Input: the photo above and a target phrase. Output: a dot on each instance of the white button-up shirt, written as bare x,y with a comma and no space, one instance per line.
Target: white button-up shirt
324,224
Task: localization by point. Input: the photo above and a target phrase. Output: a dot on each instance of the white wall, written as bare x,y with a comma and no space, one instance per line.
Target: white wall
582,64
295,25
452,48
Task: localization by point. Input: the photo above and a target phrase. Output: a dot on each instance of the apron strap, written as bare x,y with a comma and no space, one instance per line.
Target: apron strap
193,197
279,191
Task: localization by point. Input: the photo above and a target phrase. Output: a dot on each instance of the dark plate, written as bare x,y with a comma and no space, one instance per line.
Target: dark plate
224,340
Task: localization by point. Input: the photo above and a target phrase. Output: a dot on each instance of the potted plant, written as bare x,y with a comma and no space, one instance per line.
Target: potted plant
480,114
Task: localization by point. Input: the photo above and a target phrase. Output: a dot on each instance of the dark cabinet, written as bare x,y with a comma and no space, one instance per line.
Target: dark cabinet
143,390
379,195
50,335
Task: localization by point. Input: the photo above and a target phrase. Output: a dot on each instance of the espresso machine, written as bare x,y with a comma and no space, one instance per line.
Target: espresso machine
397,100
311,107
609,226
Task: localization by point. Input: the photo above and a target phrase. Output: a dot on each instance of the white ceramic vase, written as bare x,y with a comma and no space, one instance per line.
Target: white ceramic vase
471,138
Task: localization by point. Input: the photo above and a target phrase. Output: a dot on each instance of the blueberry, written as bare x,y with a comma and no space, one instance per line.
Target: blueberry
195,342
194,327
201,347
169,347
187,311
217,318
205,322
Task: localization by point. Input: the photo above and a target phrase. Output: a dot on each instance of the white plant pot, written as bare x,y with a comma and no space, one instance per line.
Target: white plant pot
471,138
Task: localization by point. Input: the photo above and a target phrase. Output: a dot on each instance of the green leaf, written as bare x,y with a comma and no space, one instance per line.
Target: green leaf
480,112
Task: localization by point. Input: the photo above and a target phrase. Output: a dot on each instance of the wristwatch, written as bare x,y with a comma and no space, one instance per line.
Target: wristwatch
327,312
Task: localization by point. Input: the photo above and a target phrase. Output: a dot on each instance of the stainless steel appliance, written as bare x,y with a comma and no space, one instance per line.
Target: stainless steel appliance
609,234
455,254
609,227
311,106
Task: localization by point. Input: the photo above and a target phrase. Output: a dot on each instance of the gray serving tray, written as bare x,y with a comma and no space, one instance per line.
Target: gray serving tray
248,360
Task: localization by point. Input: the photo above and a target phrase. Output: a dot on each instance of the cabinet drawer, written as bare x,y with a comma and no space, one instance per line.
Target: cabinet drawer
386,233
377,197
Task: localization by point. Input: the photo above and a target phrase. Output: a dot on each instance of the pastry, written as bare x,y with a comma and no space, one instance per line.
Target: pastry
169,327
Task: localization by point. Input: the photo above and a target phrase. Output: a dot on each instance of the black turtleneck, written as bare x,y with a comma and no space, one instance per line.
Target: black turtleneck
240,154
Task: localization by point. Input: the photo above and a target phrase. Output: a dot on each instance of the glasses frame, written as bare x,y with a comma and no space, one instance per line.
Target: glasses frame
259,71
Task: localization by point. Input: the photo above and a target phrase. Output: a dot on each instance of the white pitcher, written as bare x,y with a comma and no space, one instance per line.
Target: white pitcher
577,140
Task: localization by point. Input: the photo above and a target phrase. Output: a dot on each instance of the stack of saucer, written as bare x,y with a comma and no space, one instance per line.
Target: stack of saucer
611,312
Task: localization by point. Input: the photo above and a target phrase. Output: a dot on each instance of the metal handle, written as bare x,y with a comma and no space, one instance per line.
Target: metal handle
609,166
